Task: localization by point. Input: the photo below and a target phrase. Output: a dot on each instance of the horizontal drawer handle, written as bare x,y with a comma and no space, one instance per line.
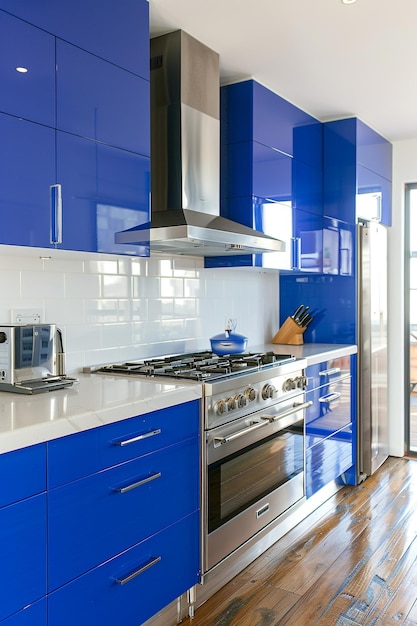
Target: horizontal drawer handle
139,483
330,397
150,563
126,442
330,372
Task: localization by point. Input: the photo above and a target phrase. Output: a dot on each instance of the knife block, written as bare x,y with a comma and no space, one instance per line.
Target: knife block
290,333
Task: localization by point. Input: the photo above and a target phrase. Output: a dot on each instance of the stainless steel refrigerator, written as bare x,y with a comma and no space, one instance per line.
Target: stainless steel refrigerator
372,348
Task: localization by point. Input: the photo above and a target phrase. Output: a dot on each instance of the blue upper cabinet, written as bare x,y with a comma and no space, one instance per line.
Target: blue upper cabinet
27,79
76,124
115,31
357,172
271,169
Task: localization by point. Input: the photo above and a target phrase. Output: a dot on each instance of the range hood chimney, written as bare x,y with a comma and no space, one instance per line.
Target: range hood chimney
185,157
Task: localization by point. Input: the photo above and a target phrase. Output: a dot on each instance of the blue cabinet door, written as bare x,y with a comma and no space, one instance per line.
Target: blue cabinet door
118,32
23,474
23,554
104,190
26,173
135,585
31,615
328,459
27,71
100,101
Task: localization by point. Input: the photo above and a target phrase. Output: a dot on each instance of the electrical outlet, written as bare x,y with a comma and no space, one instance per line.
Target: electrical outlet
27,316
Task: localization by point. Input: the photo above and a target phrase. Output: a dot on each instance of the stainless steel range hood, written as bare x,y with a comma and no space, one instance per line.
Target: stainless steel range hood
185,158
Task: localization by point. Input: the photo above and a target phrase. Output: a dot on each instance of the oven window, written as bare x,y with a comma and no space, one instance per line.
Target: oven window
241,479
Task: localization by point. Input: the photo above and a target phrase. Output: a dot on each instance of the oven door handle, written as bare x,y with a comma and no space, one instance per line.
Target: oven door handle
297,406
240,433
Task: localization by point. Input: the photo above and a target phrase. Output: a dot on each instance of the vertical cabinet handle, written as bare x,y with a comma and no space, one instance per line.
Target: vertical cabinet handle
296,253
56,214
147,565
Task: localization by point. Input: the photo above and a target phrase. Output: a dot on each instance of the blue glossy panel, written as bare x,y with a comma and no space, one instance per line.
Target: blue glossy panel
331,410
338,247
253,112
327,459
272,174
370,182
339,173
373,151
307,191
96,599
99,448
332,300
308,143
23,554
89,521
23,473
30,95
97,100
308,227
118,32
27,170
32,615
104,190
327,372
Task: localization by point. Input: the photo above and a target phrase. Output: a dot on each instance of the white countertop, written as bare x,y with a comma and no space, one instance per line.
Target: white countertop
101,399
97,400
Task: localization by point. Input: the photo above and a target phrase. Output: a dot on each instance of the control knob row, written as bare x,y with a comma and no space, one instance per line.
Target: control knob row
239,401
299,382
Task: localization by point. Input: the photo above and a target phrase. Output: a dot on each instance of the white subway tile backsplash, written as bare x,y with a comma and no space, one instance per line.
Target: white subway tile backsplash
117,308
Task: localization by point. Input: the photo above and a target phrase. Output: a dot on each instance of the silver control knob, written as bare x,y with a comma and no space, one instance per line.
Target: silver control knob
220,407
241,401
250,393
268,391
289,384
230,403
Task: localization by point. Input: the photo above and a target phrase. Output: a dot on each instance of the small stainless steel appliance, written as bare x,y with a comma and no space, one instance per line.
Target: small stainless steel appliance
32,358
253,409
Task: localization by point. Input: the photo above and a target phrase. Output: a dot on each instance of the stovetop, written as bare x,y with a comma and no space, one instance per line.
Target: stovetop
199,366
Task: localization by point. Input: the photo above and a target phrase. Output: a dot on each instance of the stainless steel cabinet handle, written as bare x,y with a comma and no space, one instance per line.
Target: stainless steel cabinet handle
297,406
56,214
330,397
240,433
330,372
126,442
150,563
139,483
296,253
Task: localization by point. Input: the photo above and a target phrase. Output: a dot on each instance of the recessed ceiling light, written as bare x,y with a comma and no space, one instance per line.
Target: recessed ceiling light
348,1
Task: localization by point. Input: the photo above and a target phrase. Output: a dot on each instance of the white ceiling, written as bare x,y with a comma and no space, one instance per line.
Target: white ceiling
330,59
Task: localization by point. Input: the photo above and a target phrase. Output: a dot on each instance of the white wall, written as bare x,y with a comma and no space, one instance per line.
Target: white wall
113,308
404,171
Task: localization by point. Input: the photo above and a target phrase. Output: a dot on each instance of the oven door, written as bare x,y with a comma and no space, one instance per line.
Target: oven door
254,472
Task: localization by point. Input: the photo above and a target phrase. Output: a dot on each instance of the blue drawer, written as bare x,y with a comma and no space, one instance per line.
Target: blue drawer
91,520
75,456
23,554
23,473
327,371
32,615
327,459
100,598
331,409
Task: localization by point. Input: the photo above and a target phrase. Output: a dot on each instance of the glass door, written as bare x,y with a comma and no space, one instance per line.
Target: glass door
411,316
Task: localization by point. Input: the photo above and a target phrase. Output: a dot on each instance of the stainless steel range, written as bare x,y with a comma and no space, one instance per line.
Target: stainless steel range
253,408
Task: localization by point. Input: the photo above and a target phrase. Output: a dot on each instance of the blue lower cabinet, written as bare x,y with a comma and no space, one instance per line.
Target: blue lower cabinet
327,459
32,615
92,519
23,555
136,584
23,473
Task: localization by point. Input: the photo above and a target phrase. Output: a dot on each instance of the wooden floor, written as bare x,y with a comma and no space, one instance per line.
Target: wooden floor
353,562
